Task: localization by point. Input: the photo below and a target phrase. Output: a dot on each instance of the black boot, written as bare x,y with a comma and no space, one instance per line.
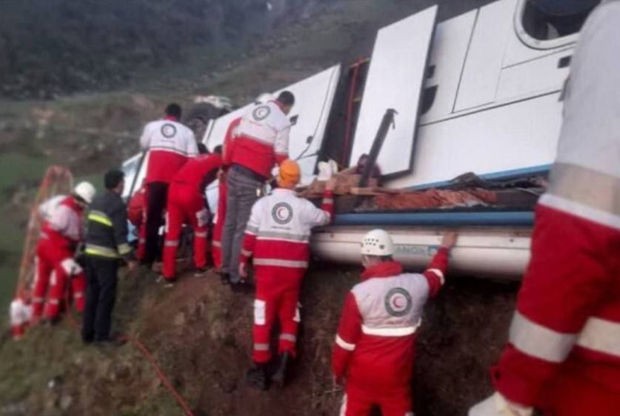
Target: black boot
257,377
225,278
279,376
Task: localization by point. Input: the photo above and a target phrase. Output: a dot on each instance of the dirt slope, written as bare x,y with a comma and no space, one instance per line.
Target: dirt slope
201,335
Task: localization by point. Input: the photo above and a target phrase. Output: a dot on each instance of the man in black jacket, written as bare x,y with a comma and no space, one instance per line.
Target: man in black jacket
106,247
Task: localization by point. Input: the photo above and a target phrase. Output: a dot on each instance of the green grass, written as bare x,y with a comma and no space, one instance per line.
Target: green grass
15,169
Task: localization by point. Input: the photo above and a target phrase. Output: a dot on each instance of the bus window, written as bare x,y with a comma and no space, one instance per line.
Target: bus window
552,19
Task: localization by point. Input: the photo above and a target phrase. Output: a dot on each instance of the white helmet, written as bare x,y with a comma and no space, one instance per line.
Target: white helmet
264,98
85,190
377,243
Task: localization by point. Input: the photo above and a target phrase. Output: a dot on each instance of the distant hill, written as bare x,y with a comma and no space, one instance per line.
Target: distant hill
53,47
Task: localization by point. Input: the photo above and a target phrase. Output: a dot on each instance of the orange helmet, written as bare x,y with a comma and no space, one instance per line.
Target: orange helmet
289,174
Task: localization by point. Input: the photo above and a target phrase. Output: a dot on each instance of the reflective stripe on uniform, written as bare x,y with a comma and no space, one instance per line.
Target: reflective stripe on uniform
100,217
200,234
328,200
261,347
343,408
246,253
288,337
216,243
580,210
601,335
344,344
539,341
439,274
276,235
280,263
171,243
390,332
102,251
586,186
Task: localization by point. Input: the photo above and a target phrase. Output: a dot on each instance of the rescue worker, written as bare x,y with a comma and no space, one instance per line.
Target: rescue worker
374,351
220,215
260,143
20,314
170,144
55,264
277,236
187,204
136,214
106,246
563,351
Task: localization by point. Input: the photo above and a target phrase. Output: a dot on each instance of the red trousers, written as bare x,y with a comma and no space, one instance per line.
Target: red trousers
572,394
141,250
55,266
219,224
185,206
277,295
137,217
18,331
359,401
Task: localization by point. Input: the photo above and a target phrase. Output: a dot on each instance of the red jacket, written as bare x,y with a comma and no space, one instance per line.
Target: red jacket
199,172
375,344
564,341
279,229
136,206
261,139
170,145
231,133
65,226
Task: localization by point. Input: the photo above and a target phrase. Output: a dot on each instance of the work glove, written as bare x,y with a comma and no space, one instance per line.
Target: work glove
327,170
497,405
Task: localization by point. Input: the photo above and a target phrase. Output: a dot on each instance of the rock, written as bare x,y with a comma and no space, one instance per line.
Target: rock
65,402
180,319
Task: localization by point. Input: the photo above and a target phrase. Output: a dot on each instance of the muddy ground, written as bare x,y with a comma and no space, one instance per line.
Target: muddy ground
200,333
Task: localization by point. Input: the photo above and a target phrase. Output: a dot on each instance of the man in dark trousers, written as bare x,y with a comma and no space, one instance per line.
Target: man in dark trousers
170,144
106,246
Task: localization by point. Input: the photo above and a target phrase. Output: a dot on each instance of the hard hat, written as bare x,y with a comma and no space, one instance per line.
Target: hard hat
289,174
264,98
377,243
85,190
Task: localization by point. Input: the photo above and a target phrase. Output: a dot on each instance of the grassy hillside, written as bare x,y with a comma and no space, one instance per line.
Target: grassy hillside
62,46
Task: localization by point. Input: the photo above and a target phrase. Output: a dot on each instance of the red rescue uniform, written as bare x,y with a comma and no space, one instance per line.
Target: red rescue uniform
277,236
136,214
375,345
170,144
55,263
563,352
187,205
